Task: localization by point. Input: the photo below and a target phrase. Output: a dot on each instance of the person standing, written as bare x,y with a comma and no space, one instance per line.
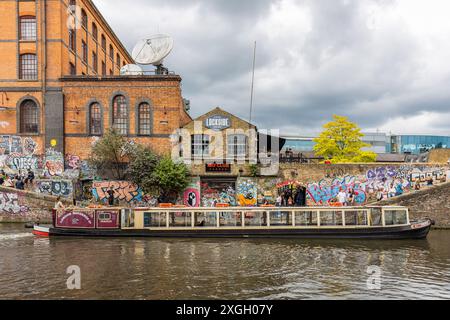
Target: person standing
279,201
342,197
111,196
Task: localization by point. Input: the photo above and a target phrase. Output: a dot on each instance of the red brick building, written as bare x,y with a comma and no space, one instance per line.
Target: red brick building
61,88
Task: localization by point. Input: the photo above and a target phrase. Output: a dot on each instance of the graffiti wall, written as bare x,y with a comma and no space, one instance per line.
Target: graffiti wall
191,196
247,192
62,188
17,154
53,163
213,192
124,191
9,204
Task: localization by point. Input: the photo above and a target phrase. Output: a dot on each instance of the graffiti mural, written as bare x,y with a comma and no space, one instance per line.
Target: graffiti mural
324,191
123,191
247,193
191,196
63,188
17,145
73,162
9,204
54,163
216,192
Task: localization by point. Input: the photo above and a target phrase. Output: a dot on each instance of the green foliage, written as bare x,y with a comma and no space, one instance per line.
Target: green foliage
341,142
253,170
170,177
143,162
111,153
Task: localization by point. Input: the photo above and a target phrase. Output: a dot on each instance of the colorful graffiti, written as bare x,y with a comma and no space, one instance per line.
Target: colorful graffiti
9,204
191,196
213,193
63,188
247,193
324,191
123,191
73,162
54,163
18,145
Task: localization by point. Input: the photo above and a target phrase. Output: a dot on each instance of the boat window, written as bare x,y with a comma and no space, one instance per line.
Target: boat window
331,218
104,216
230,219
205,219
356,218
155,220
255,219
128,218
180,219
306,218
376,217
394,217
281,218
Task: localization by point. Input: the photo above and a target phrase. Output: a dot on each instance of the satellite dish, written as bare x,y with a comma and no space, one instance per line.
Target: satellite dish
131,70
153,50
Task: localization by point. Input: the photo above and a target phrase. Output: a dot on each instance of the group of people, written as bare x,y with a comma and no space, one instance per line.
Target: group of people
345,197
291,198
18,181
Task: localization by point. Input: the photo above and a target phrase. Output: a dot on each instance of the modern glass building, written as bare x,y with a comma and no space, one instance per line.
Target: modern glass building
417,144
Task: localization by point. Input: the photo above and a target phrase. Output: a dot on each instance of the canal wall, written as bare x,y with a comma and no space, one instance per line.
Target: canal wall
432,202
25,206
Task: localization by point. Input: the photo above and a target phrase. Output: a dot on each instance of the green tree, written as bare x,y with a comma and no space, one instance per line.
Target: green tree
170,178
111,154
341,142
143,162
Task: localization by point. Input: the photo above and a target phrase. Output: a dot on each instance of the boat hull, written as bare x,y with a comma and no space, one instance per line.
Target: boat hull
418,230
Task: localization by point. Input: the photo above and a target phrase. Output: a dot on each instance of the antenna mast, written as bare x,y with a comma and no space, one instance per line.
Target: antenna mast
253,83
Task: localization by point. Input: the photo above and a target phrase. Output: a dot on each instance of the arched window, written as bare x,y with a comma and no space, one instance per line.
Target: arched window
95,119
84,19
94,31
29,117
120,115
28,28
237,145
103,42
118,60
145,119
111,52
28,69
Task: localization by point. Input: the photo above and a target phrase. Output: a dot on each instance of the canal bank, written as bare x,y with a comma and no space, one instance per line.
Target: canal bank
222,268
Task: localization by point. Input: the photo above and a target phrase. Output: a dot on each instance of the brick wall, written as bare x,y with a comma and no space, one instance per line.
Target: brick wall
433,202
24,206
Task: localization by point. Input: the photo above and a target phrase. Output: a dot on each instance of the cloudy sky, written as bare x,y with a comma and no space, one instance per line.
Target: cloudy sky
383,63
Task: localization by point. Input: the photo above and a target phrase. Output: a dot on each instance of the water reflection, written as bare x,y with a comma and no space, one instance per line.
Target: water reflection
227,269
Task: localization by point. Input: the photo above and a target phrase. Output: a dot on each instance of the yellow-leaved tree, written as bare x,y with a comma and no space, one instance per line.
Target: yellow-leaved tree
341,142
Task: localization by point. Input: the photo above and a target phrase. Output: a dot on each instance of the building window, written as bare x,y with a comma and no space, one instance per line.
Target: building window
28,67
95,119
237,145
145,119
72,41
28,28
111,52
94,61
94,31
199,145
118,61
103,68
120,115
84,19
103,42
29,117
84,50
73,69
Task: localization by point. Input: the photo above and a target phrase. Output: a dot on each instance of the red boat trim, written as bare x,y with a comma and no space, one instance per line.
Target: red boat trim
41,233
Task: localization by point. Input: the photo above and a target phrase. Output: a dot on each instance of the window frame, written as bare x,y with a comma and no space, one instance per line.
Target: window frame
28,74
33,28
139,119
90,113
125,121
21,114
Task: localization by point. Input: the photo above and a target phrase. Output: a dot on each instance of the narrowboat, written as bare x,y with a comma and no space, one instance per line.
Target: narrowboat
238,222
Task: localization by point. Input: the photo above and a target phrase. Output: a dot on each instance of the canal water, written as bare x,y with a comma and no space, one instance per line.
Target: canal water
35,268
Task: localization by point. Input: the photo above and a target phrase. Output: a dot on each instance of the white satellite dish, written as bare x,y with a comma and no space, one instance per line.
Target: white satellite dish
131,70
153,50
